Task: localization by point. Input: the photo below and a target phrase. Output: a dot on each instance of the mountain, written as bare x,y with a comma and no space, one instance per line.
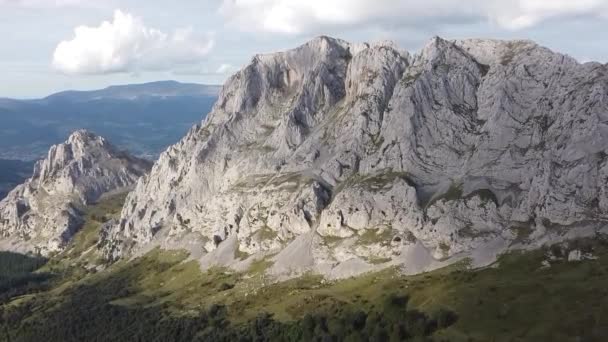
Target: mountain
161,89
143,118
42,214
342,158
320,164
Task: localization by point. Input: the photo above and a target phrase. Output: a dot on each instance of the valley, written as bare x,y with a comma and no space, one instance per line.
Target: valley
141,118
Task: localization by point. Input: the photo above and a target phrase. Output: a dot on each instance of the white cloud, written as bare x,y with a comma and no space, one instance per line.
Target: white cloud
297,17
527,13
127,45
225,69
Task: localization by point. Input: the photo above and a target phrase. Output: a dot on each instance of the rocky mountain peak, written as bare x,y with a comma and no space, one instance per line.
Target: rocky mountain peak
80,145
342,158
43,213
84,159
84,137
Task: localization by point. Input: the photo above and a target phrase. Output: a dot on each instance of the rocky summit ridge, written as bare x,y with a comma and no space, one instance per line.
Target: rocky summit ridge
42,214
343,158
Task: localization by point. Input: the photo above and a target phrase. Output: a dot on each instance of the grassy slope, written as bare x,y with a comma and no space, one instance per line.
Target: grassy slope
81,250
515,301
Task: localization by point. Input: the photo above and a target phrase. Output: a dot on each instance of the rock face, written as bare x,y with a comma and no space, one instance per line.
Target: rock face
345,157
42,214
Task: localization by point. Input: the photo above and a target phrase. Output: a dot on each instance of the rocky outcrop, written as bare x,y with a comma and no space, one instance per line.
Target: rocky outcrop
336,154
42,214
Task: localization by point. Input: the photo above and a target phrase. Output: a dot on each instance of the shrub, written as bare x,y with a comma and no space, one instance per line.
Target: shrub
445,318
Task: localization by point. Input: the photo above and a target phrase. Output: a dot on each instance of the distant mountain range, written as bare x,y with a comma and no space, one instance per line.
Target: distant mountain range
143,118
161,89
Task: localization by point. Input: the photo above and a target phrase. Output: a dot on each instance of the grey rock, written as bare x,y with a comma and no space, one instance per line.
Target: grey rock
42,214
337,153
575,255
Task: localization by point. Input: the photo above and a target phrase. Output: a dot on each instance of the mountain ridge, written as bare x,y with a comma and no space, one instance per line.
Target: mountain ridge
42,214
363,156
143,118
132,91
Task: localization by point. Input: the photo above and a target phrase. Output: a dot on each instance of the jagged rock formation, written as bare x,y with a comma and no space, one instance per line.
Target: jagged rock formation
42,214
344,157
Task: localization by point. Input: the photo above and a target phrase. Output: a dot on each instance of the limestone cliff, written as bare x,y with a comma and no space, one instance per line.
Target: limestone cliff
42,214
340,158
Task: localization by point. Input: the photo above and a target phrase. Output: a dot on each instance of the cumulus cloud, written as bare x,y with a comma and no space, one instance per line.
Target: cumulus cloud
125,44
297,17
527,13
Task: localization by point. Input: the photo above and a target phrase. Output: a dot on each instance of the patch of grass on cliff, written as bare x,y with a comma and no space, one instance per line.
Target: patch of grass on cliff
81,256
95,215
260,266
453,193
378,260
485,195
265,233
241,255
522,232
383,178
331,240
374,236
375,181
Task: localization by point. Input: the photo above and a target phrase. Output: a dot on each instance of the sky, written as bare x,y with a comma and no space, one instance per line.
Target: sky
48,46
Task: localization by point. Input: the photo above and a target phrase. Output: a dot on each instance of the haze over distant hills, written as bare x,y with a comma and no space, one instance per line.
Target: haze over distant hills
143,118
12,173
160,89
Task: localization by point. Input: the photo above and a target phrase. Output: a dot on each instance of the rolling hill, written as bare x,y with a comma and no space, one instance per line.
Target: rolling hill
143,118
